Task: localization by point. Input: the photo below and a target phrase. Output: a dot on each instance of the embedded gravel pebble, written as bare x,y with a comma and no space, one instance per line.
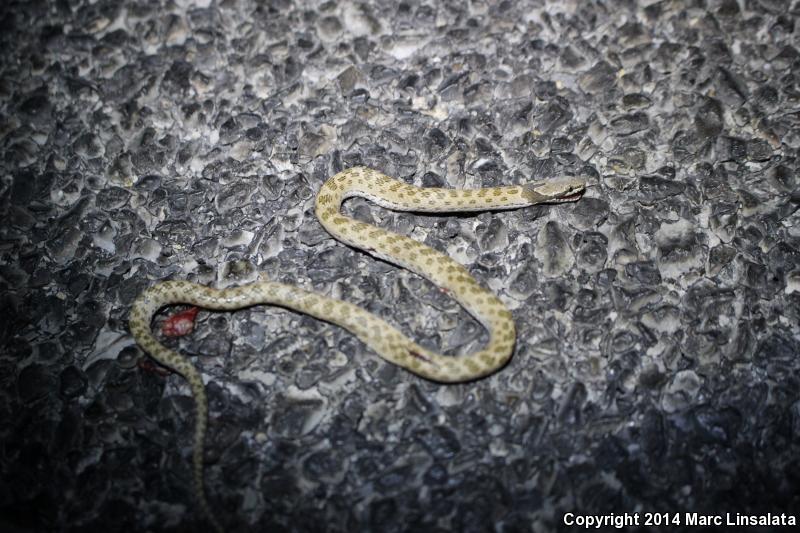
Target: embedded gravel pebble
656,367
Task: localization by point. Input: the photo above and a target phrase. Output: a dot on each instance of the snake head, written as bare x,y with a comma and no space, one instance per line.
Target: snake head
555,191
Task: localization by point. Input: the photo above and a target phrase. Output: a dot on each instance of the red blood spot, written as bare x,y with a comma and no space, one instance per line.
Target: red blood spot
180,324
418,355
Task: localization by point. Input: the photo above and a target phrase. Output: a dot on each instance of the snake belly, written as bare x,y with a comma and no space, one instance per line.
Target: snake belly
383,338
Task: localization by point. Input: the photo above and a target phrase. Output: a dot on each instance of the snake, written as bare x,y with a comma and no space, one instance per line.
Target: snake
380,336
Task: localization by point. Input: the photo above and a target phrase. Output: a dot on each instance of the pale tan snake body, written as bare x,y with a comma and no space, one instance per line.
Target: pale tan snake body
383,338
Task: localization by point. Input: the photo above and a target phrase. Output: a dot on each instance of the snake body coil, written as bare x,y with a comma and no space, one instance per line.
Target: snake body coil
383,338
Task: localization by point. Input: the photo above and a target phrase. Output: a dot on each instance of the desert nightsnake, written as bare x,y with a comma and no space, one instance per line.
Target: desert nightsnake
383,338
